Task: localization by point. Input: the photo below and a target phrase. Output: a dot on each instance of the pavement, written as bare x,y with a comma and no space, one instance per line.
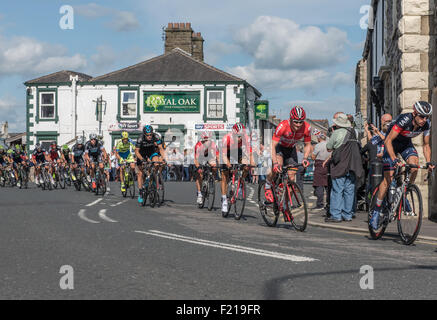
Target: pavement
119,250
428,229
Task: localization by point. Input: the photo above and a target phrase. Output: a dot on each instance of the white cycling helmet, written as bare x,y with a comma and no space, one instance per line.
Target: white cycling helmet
423,108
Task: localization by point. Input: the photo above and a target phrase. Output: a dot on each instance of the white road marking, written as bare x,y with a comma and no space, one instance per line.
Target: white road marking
259,252
252,191
93,203
117,204
102,215
81,215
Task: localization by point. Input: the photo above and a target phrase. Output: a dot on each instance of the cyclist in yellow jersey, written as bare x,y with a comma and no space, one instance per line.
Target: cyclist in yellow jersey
124,152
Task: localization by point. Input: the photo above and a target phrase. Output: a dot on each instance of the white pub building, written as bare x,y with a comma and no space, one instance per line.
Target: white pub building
176,90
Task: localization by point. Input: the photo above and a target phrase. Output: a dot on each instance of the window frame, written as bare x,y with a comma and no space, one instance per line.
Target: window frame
207,90
40,92
120,115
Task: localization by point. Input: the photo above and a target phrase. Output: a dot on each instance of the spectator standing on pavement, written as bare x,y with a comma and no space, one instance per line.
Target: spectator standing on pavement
320,182
114,163
346,169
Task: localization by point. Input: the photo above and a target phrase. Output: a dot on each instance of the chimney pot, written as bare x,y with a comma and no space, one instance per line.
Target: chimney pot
170,25
182,25
188,25
176,25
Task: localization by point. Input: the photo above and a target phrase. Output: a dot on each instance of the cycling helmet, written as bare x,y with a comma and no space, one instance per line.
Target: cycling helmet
93,136
423,108
1,148
238,128
147,129
125,135
297,113
80,140
65,147
53,144
316,132
205,135
38,146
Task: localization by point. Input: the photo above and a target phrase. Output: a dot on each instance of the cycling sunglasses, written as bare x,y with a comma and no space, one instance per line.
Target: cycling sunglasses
423,117
298,121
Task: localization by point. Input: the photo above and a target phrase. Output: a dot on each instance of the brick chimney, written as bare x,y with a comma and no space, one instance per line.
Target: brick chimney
181,35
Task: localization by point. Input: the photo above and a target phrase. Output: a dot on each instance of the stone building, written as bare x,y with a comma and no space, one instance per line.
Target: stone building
400,57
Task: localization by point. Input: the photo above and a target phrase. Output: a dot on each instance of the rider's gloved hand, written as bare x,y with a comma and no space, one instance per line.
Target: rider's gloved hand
277,168
305,163
430,166
396,163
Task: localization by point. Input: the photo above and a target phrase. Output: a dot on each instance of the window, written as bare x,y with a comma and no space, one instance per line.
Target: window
47,105
129,104
215,104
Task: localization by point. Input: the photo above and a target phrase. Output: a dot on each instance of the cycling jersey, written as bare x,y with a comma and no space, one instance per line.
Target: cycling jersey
78,153
39,156
93,150
229,142
288,138
202,152
126,150
18,157
404,126
2,158
403,144
149,148
54,154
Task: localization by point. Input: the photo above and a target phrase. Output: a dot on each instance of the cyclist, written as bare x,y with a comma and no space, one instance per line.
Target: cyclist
124,152
17,157
95,153
39,156
399,141
205,151
77,155
3,159
236,149
284,152
148,148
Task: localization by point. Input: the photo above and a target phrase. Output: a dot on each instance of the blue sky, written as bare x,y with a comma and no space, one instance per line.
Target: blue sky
293,51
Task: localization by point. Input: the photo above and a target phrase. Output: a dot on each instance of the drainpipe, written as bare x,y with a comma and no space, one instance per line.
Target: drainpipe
74,80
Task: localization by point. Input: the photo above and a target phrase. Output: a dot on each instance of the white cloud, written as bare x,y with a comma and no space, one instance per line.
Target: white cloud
121,21
14,113
320,109
276,79
277,43
27,57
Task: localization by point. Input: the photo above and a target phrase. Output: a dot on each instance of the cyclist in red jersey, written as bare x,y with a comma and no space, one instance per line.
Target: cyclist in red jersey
54,156
287,134
236,149
205,151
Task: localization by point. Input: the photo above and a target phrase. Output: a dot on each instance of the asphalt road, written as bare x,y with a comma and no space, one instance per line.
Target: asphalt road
118,250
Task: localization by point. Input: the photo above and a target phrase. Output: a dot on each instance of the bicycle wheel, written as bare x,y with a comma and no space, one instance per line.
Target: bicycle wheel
61,178
126,184
240,198
383,223
20,178
297,206
410,215
48,181
131,185
204,191
25,178
211,192
103,184
67,175
2,179
230,199
161,189
270,211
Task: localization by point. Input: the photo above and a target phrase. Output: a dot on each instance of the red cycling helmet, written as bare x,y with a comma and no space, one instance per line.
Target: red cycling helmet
238,128
297,113
205,135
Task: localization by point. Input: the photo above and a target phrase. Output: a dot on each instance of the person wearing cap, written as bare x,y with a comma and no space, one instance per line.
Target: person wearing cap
346,169
320,181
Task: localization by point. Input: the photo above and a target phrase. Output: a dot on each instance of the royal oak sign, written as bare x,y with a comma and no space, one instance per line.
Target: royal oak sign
173,102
